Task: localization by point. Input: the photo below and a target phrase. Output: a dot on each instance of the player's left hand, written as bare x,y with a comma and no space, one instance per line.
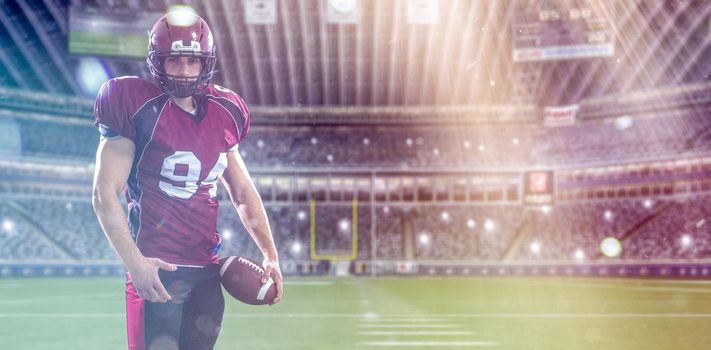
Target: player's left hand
271,269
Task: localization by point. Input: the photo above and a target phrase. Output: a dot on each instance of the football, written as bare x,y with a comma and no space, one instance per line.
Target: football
241,277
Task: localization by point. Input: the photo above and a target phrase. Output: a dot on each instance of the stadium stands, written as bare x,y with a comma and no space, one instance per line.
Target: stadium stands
649,135
48,230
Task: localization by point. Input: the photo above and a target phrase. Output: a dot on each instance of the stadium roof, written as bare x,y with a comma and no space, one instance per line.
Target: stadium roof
384,59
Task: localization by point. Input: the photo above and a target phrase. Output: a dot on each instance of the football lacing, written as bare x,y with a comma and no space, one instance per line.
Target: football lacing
251,264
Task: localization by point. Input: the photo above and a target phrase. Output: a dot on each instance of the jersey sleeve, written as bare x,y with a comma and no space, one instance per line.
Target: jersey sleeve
242,121
111,113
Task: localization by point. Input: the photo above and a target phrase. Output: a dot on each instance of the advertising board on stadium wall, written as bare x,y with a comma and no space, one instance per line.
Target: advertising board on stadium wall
651,270
538,187
560,115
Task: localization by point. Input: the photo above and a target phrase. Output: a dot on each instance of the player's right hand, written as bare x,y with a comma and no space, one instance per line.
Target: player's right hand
144,276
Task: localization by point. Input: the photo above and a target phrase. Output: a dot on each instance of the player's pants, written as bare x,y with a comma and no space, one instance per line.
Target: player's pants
189,321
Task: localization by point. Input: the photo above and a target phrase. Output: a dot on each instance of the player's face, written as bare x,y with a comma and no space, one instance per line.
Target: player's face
182,66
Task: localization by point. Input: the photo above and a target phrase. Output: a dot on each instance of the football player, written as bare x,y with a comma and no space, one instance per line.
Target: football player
165,142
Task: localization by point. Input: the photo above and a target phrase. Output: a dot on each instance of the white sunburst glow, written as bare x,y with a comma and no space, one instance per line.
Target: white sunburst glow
489,225
91,74
686,241
623,122
611,247
424,238
579,254
344,225
181,15
8,225
227,234
296,247
535,248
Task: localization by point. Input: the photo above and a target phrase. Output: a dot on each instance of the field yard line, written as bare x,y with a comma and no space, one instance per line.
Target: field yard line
409,325
429,343
54,298
59,315
386,319
308,283
472,315
416,333
650,289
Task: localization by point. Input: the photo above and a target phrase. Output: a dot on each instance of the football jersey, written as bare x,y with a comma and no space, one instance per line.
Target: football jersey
171,190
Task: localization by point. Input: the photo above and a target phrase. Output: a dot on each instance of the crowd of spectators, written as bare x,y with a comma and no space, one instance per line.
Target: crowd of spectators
20,239
425,146
34,229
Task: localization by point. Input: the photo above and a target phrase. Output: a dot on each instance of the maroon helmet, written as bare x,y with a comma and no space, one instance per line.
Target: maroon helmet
181,34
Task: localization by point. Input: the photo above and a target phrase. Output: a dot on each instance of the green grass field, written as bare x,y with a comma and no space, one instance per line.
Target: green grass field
388,313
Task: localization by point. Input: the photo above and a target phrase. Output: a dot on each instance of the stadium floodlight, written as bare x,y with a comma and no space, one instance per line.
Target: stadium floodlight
686,241
489,225
608,215
8,225
444,216
181,15
301,215
648,203
227,234
536,248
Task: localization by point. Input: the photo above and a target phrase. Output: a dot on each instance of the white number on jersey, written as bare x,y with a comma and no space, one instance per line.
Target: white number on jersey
190,167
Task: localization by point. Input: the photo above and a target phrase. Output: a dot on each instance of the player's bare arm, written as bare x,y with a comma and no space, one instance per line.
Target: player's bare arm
114,158
249,205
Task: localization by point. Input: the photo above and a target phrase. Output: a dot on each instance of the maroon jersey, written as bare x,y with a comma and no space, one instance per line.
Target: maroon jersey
179,157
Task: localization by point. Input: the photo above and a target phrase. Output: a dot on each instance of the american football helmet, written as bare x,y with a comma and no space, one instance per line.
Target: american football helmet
181,34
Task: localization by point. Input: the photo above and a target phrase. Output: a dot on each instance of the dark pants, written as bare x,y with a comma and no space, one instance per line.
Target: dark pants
189,321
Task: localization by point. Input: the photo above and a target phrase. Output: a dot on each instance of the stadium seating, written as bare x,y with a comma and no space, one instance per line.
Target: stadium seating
60,230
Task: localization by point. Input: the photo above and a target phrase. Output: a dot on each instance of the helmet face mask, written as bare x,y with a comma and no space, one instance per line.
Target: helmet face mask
180,40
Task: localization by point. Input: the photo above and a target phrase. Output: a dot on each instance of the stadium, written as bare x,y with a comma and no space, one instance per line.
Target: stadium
443,174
